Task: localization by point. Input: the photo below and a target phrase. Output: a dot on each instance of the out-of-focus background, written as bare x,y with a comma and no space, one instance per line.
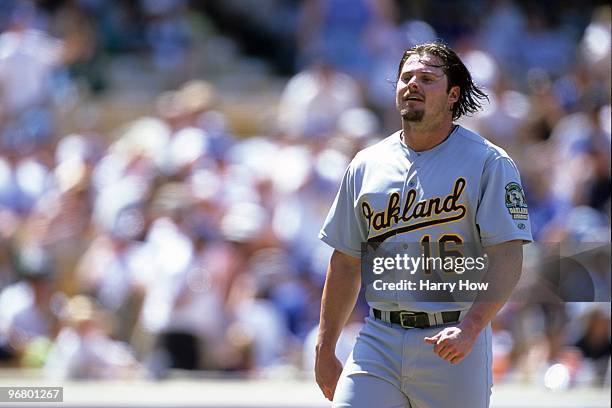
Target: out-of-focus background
165,167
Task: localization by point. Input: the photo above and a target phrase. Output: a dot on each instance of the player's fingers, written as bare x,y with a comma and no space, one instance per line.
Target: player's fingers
437,347
441,344
326,392
440,348
441,352
325,388
331,387
332,391
457,359
322,388
448,354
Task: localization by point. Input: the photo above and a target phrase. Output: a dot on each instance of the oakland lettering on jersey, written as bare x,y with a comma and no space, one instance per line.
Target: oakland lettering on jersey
416,215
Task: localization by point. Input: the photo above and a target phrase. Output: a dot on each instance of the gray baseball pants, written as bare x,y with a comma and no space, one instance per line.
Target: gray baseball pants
393,367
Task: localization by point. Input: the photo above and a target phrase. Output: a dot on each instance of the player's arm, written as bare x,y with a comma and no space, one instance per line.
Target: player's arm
340,293
505,264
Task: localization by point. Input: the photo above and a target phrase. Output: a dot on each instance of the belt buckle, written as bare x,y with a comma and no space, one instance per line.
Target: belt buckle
407,320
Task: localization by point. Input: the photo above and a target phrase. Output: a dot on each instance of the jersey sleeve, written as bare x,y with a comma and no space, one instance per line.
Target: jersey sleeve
344,228
502,214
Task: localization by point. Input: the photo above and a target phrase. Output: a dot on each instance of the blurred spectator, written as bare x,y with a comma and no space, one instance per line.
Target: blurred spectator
595,343
341,31
314,99
28,57
26,313
83,349
257,322
29,60
167,32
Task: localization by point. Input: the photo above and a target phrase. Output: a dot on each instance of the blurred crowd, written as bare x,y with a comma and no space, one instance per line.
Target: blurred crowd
174,242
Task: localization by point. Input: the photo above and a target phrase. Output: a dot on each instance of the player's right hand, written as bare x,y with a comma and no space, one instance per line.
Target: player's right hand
327,372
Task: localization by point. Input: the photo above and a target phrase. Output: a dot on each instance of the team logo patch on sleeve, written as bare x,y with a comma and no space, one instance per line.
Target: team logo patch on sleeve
515,201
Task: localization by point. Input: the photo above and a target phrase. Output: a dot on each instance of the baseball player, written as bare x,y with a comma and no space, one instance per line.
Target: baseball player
436,183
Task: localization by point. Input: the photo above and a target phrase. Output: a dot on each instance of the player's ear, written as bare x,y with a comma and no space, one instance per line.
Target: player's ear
453,94
453,97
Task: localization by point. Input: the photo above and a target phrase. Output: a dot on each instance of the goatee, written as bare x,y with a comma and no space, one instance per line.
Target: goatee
412,116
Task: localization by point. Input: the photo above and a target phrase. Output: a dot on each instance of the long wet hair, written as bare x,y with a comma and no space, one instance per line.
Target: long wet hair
471,96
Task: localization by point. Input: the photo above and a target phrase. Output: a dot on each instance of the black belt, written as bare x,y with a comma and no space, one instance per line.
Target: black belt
416,320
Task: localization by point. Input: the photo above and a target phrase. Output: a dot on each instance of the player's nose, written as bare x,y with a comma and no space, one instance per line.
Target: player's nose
413,85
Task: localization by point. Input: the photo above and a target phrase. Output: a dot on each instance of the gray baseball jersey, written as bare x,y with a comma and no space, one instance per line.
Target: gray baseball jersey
464,190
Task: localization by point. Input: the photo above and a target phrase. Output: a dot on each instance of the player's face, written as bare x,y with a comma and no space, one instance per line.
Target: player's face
421,92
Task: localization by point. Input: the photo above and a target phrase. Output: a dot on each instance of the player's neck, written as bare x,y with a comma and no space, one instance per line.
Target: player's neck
420,138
